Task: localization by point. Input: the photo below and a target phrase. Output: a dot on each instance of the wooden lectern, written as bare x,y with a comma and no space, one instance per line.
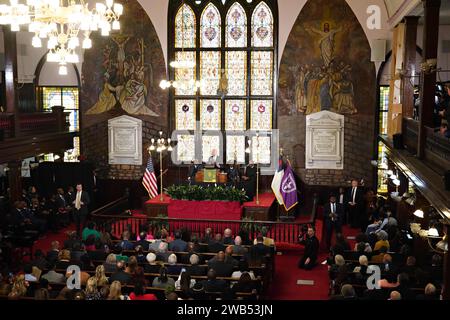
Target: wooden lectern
208,175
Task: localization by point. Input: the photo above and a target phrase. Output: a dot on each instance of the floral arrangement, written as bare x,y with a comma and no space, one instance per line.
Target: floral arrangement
200,193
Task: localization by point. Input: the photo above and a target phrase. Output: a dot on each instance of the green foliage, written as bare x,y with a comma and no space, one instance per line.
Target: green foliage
199,193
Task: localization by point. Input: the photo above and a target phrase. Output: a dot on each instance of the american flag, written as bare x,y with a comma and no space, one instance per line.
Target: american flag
149,179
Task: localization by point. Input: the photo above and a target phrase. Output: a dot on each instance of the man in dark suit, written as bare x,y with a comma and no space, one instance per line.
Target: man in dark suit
220,266
178,245
333,214
249,180
216,245
80,202
355,201
309,259
120,275
212,284
260,248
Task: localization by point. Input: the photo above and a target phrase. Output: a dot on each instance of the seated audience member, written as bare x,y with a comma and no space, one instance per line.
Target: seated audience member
39,261
378,258
361,239
100,276
227,236
430,293
435,272
374,226
163,281
309,259
115,292
165,236
444,130
72,239
172,296
139,293
52,255
260,247
216,244
126,244
132,265
53,276
141,258
151,266
77,252
90,230
220,266
110,264
178,245
395,295
162,253
118,252
382,241
99,253
410,267
28,271
389,281
139,276
142,241
154,246
339,261
244,234
198,291
104,292
194,269
207,238
387,265
229,257
347,293
41,294
245,284
63,259
19,287
363,264
120,274
266,240
91,291
243,267
212,284
172,267
184,281
238,248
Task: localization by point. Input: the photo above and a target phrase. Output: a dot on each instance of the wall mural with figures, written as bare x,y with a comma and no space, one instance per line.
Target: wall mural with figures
326,66
122,72
121,76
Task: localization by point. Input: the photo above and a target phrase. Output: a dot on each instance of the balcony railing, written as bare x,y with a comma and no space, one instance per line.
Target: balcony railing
34,123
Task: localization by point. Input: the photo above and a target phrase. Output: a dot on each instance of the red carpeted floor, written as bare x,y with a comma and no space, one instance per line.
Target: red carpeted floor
284,285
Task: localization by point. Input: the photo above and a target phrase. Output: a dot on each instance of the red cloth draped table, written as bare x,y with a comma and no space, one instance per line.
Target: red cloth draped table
205,210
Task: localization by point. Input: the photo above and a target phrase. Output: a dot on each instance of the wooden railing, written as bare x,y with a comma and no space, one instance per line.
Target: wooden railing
34,123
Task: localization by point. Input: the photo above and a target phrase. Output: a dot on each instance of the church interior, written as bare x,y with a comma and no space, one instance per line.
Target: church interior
224,149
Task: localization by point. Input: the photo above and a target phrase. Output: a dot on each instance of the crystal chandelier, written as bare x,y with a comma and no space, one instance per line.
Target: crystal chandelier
61,22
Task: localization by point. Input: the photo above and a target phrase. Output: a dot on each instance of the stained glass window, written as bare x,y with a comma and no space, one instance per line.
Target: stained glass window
210,114
262,26
209,143
185,25
236,66
185,148
210,72
262,72
231,86
185,114
235,115
235,149
210,29
261,150
236,30
261,115
187,76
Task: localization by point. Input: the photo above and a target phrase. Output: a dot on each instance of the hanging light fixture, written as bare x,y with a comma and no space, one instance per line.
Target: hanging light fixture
61,22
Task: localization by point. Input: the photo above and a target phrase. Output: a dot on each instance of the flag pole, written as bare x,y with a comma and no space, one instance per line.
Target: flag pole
257,169
161,173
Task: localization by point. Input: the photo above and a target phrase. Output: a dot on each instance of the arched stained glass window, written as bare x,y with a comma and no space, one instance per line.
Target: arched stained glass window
210,29
233,45
236,31
185,26
262,26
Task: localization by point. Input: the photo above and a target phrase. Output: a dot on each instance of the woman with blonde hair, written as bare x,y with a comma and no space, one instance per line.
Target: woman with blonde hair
19,287
110,263
91,290
100,276
115,292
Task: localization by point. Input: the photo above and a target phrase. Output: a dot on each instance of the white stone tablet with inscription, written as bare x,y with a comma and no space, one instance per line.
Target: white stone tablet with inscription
324,141
125,140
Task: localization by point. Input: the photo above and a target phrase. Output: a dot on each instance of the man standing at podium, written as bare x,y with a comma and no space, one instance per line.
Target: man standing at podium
212,161
249,180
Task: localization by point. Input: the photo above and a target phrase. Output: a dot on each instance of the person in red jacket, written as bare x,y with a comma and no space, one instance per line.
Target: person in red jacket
139,293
